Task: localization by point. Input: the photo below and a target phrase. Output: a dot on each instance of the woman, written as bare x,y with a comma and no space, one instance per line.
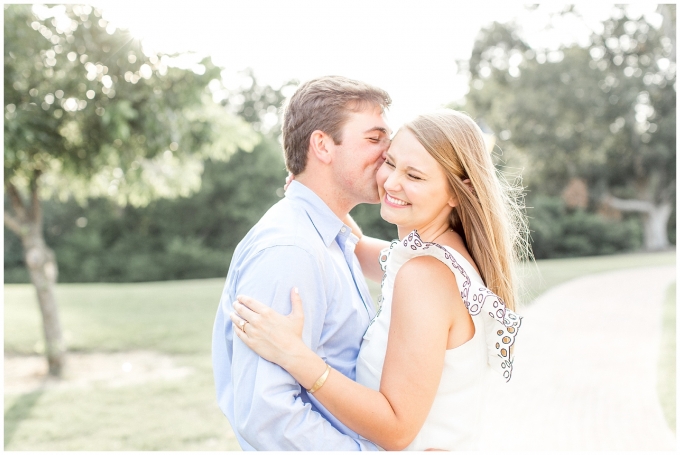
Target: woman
448,296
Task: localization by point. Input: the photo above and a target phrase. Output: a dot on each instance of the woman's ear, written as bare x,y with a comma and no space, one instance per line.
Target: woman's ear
319,146
453,201
468,183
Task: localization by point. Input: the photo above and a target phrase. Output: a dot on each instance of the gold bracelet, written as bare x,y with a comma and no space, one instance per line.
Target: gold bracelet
321,381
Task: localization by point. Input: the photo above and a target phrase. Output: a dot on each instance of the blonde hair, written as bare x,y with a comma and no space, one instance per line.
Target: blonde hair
489,214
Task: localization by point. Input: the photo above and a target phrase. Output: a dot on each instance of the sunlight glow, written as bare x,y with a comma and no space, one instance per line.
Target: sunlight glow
409,51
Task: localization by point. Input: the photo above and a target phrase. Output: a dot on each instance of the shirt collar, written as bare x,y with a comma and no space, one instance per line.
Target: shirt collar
326,222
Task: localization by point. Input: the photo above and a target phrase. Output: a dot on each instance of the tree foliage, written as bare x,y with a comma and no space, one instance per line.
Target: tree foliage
169,239
88,110
604,113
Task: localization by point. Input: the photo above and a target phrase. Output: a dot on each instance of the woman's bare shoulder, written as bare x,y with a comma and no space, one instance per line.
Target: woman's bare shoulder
422,266
456,243
426,274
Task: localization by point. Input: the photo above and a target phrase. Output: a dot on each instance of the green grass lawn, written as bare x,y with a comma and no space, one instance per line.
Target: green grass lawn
160,415
173,318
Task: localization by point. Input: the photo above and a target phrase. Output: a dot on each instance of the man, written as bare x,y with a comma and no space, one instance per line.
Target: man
334,138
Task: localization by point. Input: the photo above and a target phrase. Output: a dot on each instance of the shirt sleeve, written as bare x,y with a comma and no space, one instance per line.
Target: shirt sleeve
269,411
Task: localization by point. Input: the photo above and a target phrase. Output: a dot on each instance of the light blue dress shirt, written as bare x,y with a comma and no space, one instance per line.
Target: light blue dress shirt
298,242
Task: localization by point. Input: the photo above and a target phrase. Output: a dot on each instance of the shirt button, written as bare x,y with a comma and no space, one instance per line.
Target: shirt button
343,229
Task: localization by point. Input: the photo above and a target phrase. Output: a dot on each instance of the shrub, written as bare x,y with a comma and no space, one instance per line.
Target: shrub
557,231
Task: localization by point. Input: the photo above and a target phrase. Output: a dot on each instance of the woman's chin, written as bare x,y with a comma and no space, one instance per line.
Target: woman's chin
387,215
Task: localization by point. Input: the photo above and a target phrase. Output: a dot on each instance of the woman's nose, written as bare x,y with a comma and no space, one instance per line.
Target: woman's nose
392,183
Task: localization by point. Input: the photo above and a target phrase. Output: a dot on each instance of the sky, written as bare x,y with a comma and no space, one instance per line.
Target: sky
408,48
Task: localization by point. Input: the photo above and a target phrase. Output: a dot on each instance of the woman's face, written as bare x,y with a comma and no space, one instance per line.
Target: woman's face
413,189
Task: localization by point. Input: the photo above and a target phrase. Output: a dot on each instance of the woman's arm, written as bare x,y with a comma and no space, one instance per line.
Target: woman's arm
422,312
367,251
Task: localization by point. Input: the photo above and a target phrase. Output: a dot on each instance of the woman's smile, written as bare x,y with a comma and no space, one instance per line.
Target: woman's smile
394,202
413,187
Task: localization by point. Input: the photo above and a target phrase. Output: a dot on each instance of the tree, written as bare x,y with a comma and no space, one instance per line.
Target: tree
604,113
170,239
89,114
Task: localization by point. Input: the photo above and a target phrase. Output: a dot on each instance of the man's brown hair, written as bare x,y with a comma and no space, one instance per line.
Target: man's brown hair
323,104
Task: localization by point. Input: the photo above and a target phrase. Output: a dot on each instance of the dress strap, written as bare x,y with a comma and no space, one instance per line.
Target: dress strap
501,323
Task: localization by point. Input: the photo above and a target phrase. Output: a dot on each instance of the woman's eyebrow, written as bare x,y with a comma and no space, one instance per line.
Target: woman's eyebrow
411,168
408,168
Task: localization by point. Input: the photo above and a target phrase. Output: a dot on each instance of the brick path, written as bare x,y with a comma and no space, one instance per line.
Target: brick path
585,372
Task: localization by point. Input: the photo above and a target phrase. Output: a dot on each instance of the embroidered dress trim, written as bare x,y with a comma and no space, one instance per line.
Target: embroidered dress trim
502,324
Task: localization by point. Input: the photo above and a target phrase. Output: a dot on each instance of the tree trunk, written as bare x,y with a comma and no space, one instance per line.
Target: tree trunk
654,218
655,226
42,267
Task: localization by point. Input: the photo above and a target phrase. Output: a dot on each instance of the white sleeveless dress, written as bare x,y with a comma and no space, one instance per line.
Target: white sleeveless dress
454,422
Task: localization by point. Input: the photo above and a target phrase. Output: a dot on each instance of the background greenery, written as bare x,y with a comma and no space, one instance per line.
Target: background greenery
590,124
558,117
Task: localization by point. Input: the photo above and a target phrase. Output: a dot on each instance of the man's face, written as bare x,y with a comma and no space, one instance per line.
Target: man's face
365,139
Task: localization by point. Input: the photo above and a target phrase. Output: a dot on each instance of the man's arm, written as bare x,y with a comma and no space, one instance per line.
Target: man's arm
269,412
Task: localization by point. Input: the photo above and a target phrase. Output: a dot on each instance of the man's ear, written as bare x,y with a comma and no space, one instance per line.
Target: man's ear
320,146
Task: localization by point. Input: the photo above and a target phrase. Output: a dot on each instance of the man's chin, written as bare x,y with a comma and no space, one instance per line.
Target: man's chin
374,199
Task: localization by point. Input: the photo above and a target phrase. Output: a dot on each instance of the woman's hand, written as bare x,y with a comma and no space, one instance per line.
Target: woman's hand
272,336
356,230
289,179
